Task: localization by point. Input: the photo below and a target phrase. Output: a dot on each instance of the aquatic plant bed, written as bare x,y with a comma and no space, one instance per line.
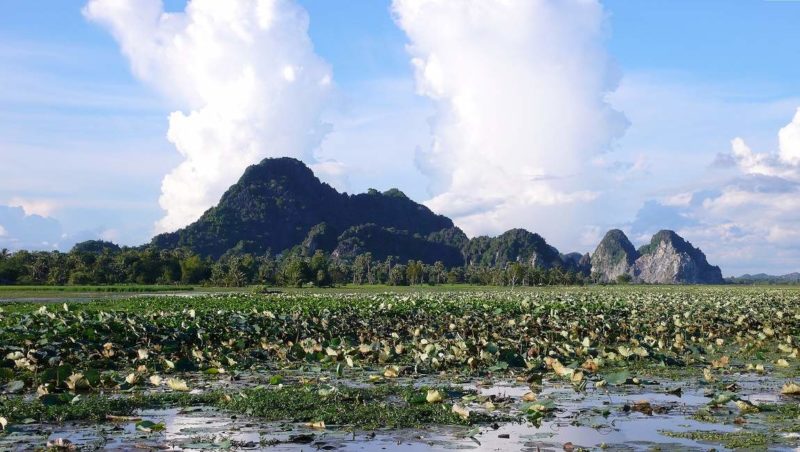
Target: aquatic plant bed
633,368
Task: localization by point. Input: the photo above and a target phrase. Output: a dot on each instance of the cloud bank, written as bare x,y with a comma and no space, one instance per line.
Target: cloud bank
748,221
762,204
785,163
245,80
520,93
21,230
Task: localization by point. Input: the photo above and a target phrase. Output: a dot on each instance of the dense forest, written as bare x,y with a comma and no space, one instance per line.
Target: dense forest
97,262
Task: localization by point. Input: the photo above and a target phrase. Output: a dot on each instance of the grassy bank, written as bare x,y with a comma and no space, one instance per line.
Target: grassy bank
98,289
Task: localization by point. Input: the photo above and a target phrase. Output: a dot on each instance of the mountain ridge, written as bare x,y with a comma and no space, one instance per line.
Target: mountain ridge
278,205
275,204
763,278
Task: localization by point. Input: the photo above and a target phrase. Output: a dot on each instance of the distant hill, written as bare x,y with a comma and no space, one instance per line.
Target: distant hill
95,247
279,205
763,278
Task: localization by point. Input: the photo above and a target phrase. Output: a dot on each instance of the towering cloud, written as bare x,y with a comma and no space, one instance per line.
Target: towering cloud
244,78
519,87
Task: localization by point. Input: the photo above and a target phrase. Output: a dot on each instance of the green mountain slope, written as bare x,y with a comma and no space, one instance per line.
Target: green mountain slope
276,204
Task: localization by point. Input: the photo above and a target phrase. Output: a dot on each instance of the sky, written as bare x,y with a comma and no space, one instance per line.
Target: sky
120,119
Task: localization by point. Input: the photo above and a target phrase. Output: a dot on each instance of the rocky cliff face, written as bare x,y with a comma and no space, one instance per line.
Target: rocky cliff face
669,259
614,256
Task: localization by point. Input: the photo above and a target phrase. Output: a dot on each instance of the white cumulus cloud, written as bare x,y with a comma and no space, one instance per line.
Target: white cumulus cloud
520,93
789,141
333,172
747,223
244,78
41,207
785,163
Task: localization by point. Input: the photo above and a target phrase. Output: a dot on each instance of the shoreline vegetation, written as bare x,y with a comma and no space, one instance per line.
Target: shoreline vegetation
134,270
120,288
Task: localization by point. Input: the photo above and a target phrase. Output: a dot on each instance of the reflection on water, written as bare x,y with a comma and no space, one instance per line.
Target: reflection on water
202,429
593,419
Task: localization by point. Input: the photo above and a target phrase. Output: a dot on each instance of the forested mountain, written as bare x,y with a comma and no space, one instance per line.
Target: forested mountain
403,246
515,245
279,204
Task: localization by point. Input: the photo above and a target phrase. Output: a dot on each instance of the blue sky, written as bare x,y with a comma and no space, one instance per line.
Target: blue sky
83,140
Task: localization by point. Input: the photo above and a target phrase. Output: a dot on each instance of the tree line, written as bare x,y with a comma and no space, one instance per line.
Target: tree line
99,263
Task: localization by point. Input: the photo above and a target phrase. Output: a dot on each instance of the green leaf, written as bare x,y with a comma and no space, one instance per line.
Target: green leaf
55,399
150,426
93,377
722,398
15,387
617,378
